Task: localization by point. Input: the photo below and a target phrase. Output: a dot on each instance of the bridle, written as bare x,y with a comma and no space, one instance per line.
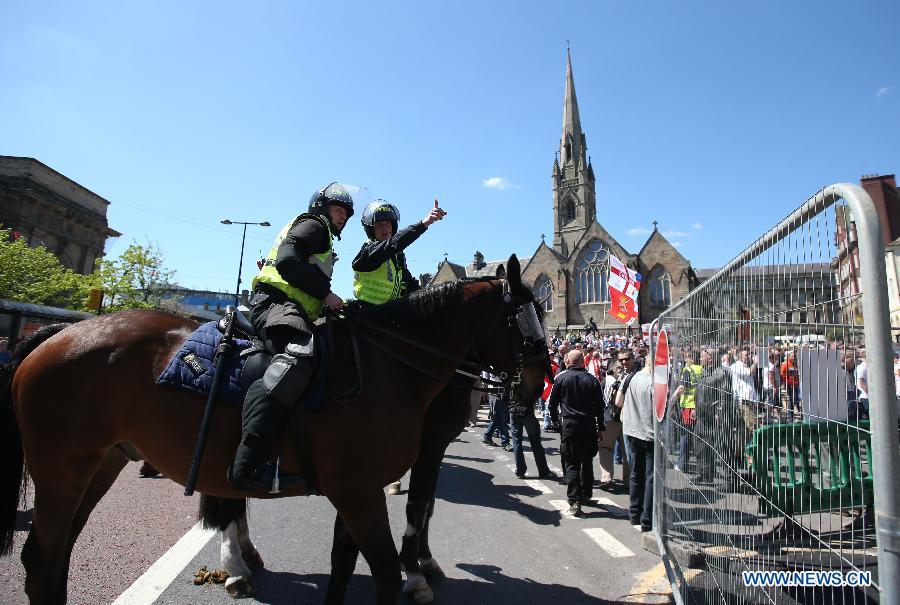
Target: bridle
519,314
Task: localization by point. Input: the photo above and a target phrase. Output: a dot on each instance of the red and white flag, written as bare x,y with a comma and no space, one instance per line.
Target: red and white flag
624,286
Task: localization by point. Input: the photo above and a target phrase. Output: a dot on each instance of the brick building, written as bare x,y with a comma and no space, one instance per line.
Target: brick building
846,267
571,275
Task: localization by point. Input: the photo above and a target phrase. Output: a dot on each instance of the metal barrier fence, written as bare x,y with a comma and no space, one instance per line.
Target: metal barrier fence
780,452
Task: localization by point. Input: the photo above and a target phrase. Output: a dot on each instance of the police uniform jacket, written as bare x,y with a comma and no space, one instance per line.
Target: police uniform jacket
272,307
577,395
373,254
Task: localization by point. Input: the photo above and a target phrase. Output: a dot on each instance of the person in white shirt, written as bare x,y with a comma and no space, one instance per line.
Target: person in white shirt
862,386
746,398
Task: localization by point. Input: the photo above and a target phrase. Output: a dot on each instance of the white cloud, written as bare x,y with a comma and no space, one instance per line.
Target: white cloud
697,226
638,231
676,244
498,182
882,91
672,233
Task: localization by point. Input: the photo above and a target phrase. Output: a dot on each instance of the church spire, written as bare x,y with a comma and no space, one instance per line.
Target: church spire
571,144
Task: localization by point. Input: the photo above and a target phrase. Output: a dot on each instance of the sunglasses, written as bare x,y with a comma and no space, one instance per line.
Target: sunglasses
624,358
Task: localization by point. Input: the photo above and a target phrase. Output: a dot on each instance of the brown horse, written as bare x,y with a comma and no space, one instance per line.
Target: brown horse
81,397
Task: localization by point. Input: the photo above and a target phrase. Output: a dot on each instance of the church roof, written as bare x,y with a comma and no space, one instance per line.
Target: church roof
458,270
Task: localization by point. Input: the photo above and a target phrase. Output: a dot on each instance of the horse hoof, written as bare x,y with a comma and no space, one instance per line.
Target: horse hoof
432,570
253,560
241,588
417,589
394,488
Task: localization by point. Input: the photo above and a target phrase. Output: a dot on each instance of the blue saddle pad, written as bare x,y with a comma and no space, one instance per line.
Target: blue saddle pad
192,368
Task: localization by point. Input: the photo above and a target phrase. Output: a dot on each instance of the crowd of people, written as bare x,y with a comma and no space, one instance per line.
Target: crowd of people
600,403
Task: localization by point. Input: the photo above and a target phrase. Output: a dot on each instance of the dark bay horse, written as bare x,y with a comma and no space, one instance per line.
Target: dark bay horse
444,421
76,400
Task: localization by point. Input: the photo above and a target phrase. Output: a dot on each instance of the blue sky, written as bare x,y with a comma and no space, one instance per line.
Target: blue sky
714,118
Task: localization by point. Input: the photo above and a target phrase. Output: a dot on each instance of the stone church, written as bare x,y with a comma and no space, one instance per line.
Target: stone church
571,276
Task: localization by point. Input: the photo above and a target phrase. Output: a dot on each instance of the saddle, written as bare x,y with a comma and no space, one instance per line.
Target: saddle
193,366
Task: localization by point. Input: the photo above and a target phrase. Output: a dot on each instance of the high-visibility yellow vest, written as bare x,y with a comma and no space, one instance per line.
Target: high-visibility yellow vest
270,275
689,396
380,285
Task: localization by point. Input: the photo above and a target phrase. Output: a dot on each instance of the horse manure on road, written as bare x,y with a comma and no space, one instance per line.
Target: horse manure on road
210,577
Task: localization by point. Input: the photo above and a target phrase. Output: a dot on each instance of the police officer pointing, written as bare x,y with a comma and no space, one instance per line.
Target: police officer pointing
290,293
380,272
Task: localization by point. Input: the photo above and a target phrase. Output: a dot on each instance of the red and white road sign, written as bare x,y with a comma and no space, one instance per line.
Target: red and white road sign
661,376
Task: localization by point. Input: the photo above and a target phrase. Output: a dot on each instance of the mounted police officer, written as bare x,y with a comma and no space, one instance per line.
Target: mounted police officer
380,271
290,293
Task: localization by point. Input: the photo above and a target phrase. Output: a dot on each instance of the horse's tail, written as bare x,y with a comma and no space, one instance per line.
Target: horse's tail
13,479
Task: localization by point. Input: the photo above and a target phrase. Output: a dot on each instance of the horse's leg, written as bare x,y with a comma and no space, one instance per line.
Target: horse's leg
249,553
107,473
427,562
444,421
60,487
364,513
229,516
344,553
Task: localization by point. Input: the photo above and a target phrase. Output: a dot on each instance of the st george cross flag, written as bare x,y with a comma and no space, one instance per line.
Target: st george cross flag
624,285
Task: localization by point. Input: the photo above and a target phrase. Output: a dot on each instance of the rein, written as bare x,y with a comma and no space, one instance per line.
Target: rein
496,385
506,383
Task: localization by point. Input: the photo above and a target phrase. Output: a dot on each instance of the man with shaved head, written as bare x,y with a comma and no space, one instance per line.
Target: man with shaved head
578,398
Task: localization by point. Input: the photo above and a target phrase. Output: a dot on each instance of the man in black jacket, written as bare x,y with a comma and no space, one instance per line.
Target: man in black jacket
578,397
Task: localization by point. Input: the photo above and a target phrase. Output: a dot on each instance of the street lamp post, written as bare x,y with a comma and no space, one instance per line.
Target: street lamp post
237,290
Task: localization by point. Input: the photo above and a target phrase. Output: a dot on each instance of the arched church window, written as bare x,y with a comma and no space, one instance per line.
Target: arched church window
592,273
543,292
660,288
568,149
567,211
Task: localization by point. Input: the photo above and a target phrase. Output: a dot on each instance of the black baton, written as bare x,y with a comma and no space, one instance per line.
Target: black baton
222,352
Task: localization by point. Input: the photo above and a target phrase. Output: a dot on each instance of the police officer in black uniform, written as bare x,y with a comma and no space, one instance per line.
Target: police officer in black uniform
380,271
290,293
578,397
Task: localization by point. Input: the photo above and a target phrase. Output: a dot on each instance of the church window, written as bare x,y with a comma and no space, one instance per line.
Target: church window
567,211
543,292
591,274
660,288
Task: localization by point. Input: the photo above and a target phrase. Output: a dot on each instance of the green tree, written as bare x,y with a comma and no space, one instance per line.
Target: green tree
137,279
35,275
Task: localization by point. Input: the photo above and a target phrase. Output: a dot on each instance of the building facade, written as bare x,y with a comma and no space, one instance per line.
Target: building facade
846,268
48,209
570,276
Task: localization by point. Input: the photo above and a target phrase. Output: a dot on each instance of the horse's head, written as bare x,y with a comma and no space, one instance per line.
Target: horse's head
514,343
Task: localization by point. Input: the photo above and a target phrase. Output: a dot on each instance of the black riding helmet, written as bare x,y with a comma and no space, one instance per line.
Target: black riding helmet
333,193
380,210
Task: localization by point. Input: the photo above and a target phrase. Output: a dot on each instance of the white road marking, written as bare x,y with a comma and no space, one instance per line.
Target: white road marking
511,467
555,469
613,508
158,576
563,507
501,457
538,485
604,540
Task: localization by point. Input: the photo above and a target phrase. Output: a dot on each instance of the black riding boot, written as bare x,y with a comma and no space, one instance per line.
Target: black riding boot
263,420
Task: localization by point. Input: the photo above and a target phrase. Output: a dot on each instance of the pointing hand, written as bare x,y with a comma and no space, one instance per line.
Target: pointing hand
435,214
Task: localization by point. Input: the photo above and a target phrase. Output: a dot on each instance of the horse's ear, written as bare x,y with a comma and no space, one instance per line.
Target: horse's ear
514,273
